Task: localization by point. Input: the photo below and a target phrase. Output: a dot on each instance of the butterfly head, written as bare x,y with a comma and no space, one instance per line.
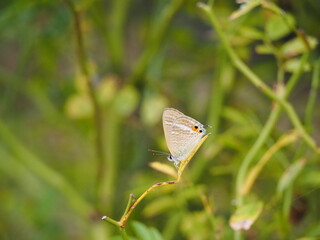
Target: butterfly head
173,159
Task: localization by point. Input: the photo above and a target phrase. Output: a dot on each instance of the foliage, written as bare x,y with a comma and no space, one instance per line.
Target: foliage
83,85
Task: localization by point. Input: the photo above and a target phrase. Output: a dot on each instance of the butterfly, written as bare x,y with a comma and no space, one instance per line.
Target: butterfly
182,134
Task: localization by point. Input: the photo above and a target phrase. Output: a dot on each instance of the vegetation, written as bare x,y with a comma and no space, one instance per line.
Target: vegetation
83,85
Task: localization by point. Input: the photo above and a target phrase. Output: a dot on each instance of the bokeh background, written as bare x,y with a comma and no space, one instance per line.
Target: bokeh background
82,88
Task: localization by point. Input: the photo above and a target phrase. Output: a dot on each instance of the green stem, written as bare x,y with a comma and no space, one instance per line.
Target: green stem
127,213
124,234
295,77
238,63
98,113
287,202
256,81
310,107
209,211
262,138
107,185
260,84
271,6
117,224
130,202
312,96
218,91
115,38
110,220
279,99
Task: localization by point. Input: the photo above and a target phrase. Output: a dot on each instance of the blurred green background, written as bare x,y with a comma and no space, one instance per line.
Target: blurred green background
82,88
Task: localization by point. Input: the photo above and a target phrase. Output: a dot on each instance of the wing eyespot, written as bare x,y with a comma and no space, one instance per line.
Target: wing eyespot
195,128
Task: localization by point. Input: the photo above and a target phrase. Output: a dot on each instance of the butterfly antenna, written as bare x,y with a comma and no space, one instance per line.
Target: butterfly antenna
155,152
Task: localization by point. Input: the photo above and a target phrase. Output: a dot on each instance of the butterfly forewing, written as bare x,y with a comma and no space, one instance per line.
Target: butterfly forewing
180,136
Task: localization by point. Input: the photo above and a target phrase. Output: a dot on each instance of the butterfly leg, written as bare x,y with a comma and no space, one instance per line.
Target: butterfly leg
176,163
173,159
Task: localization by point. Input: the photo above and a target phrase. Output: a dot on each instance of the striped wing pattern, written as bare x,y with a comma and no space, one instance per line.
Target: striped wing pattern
181,138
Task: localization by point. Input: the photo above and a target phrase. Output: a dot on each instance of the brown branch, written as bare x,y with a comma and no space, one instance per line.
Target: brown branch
121,224
125,217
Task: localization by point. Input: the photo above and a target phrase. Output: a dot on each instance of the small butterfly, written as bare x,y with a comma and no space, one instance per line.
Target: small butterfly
182,134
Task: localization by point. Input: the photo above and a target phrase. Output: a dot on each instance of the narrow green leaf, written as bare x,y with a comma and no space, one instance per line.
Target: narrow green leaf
290,175
141,231
155,234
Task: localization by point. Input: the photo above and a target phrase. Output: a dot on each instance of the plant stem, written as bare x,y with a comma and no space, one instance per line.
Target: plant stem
117,224
107,184
260,84
130,202
218,91
256,81
128,212
115,38
264,134
124,234
283,141
130,207
110,220
312,96
238,63
209,211
98,113
279,99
